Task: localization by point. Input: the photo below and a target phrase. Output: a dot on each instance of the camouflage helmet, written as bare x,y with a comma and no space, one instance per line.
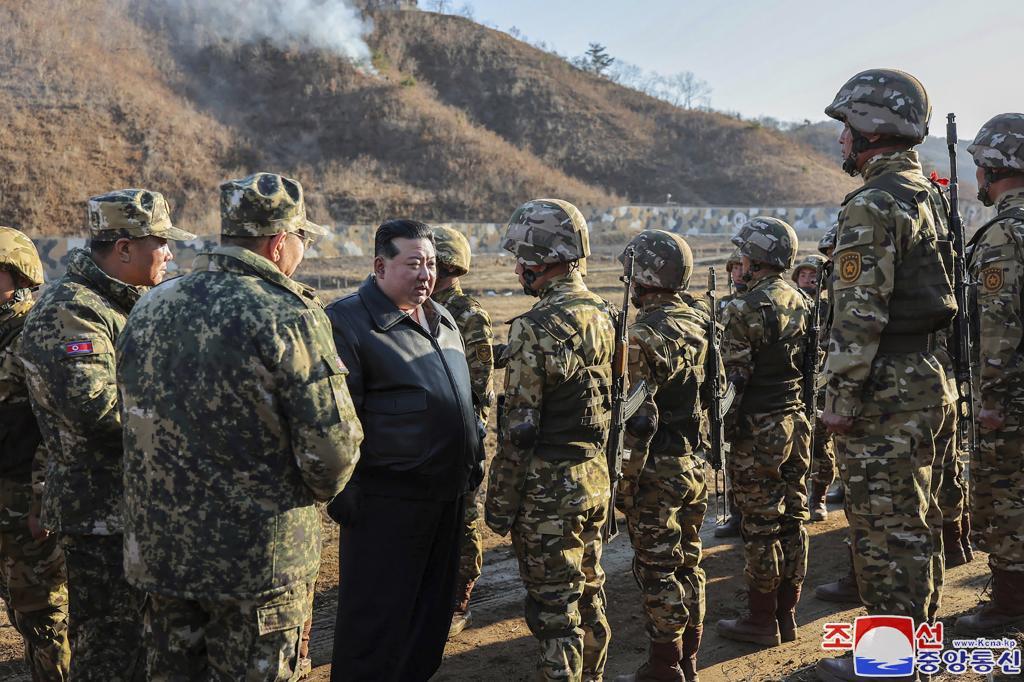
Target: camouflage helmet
132,214
735,258
662,260
453,252
18,253
262,205
547,231
883,102
767,240
999,144
827,243
813,261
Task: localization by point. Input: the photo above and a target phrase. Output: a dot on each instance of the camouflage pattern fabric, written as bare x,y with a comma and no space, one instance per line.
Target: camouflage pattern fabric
770,453
554,509
823,459
453,250
221,493
262,205
902,433
37,584
251,639
547,231
1000,143
665,496
67,347
105,612
18,252
475,326
997,262
883,102
767,240
662,260
132,213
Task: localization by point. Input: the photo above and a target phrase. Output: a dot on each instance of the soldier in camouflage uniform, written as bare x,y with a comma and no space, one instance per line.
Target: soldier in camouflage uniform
67,347
548,482
889,398
222,527
823,458
453,260
763,350
737,286
662,491
31,561
997,264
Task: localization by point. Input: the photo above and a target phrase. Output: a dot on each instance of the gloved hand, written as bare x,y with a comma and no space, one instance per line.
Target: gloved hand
347,505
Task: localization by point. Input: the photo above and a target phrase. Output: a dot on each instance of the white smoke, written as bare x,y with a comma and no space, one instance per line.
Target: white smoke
332,25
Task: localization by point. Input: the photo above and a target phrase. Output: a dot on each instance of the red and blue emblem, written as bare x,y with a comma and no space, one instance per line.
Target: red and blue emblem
78,348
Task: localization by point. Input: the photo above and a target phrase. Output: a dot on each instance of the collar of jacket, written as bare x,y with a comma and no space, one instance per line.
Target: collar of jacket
82,266
763,282
570,281
661,299
386,314
1011,199
443,297
891,162
240,260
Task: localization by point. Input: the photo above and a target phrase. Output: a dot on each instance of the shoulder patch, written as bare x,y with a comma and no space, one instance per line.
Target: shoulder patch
849,266
992,279
484,353
78,348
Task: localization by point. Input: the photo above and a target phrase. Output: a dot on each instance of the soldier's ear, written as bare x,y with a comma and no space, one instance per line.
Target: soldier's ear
378,266
122,247
276,246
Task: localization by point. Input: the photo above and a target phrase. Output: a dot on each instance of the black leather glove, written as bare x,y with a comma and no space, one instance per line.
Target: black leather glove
346,506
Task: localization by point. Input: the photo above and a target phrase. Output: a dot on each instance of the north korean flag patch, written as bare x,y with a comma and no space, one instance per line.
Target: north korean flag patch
78,348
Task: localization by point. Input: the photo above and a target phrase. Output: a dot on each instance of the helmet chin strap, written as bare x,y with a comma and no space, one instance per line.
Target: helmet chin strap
860,145
529,278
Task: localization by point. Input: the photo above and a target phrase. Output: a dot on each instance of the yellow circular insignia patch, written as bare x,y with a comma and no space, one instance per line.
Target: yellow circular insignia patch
484,353
992,279
849,267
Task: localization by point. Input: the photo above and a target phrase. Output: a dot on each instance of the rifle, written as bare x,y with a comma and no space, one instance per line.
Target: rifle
810,361
716,455
616,442
963,348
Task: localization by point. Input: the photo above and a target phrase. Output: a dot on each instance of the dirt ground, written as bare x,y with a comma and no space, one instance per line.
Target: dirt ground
498,645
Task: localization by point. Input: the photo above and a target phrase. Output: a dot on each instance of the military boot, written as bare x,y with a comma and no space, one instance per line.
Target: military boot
305,662
842,591
816,501
462,616
691,643
837,494
1005,608
965,536
788,595
841,670
759,626
952,547
662,664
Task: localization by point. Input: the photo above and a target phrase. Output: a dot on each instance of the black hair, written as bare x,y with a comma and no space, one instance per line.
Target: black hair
101,248
253,243
389,231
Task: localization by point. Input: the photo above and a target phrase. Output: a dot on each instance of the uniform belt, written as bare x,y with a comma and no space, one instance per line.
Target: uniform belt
898,344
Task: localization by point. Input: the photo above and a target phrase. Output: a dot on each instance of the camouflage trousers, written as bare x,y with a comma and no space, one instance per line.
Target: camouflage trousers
471,556
768,468
954,492
559,555
997,477
664,522
253,640
823,457
105,612
892,468
34,574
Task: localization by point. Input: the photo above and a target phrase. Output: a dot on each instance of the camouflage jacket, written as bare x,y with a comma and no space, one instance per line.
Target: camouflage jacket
875,232
763,346
237,421
475,326
667,350
997,264
19,433
539,364
67,347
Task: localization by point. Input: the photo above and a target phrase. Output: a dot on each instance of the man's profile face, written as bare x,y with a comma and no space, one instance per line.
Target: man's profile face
147,261
409,277
736,273
8,285
807,278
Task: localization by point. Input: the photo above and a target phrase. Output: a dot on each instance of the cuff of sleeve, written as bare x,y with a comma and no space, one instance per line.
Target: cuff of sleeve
842,406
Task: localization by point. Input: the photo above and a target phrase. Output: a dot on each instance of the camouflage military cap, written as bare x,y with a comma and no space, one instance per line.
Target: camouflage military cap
661,260
735,258
827,244
18,253
546,231
1000,143
812,261
767,240
453,251
262,205
883,102
132,213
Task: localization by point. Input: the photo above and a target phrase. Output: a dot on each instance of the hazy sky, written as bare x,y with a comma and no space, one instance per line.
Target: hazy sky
787,58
